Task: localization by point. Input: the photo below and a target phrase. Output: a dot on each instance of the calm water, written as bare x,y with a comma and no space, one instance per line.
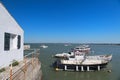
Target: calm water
50,74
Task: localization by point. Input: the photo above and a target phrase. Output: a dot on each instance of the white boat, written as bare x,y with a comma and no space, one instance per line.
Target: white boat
83,49
79,61
67,44
88,60
44,46
83,63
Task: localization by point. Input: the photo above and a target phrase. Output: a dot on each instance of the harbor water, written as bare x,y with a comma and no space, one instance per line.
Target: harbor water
49,73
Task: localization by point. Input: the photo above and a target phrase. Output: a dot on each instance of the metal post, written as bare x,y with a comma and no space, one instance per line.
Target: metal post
82,69
77,68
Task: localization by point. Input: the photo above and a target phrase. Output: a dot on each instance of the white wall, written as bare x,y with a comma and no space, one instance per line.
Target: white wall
9,25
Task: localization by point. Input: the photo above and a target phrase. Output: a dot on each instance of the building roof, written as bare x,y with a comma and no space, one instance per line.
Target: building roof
7,18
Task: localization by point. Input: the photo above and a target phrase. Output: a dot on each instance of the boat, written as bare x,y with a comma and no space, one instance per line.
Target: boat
79,61
83,49
67,44
88,60
44,46
83,63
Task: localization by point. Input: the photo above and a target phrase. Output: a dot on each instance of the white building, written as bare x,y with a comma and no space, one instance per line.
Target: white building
11,38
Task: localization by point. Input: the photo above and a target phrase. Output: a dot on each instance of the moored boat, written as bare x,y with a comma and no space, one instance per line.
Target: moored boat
44,46
83,63
79,61
83,49
88,60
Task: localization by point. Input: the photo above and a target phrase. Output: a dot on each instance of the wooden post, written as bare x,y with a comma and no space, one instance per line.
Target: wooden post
11,71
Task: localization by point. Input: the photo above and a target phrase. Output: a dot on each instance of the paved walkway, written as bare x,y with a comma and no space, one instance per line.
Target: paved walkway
30,71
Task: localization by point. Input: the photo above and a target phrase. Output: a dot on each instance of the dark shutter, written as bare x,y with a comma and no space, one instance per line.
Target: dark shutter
6,41
19,42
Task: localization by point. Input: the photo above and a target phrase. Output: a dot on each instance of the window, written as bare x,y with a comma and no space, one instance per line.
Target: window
7,41
13,41
19,42
10,41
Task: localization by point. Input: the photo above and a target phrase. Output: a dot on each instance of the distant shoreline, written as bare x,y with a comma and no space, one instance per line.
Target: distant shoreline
80,43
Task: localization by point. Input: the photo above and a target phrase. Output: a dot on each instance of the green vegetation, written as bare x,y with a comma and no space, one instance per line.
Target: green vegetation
2,70
14,63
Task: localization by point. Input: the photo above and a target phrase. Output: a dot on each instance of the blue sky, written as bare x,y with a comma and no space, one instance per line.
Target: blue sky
59,21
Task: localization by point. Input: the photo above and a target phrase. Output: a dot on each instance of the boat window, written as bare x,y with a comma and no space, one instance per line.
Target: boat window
77,48
69,52
72,56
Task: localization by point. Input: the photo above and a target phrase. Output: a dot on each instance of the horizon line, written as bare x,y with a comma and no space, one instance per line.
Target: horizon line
71,43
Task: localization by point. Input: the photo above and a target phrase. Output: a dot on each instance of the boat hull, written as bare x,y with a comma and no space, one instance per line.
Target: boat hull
72,67
96,63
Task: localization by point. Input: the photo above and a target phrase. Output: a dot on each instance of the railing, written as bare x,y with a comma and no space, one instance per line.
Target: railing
31,63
